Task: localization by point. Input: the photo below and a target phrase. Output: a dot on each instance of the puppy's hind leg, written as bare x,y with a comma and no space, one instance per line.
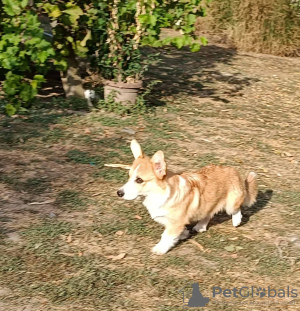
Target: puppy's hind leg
237,218
202,224
233,207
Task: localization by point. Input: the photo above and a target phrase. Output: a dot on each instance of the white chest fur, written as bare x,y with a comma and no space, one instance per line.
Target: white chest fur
155,206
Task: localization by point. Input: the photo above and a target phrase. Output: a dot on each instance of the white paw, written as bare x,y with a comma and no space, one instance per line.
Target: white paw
199,228
237,219
236,223
158,249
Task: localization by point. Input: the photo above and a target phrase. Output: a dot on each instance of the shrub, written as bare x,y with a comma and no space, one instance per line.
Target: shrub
24,53
109,31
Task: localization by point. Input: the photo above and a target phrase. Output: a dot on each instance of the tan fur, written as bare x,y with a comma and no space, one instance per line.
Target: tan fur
190,197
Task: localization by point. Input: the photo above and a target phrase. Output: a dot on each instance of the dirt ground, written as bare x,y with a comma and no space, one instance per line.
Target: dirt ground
67,242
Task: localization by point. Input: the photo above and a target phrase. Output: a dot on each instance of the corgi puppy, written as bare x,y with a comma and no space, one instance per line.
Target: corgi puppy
175,200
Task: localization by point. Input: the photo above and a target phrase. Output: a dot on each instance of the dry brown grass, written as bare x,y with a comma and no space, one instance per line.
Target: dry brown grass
261,26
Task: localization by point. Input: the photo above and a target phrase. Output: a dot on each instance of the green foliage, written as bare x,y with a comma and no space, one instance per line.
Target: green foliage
24,53
110,32
123,27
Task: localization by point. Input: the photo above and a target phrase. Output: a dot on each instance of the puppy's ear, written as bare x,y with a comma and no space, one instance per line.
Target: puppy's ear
159,164
136,149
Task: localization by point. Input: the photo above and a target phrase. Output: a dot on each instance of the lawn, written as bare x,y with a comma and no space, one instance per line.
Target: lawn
67,242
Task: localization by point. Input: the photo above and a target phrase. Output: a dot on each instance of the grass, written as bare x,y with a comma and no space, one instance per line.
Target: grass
31,185
81,157
70,200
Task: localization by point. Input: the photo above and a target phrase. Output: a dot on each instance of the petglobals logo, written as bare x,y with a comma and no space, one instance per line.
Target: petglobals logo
254,292
245,295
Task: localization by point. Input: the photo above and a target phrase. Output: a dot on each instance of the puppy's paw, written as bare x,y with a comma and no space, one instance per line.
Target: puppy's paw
158,249
198,228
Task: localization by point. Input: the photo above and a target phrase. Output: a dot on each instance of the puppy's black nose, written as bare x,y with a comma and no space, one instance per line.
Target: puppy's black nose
120,193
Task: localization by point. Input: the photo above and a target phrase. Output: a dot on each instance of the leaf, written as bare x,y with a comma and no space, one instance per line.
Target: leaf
39,78
24,3
119,233
75,12
152,20
10,109
191,19
87,37
118,257
52,10
178,42
11,8
138,217
143,18
248,237
230,248
195,47
203,41
69,238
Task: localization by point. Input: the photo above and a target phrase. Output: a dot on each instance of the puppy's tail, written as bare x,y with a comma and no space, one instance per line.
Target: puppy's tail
251,190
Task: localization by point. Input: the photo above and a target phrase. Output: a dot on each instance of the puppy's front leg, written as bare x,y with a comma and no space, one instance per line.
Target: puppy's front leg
168,239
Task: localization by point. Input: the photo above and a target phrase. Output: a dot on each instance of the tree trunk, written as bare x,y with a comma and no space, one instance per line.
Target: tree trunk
71,79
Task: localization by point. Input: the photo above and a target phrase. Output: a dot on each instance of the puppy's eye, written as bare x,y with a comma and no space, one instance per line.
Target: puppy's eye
139,180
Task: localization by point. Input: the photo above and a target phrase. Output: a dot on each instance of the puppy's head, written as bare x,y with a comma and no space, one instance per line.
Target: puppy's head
145,174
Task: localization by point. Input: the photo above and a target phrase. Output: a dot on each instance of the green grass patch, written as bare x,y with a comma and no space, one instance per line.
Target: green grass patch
112,174
31,185
43,239
175,261
10,264
81,157
35,185
70,200
53,136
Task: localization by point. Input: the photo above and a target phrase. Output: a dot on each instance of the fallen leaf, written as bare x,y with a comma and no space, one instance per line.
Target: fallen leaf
248,237
119,233
238,248
87,131
118,257
69,238
230,248
287,154
68,254
233,239
138,217
197,244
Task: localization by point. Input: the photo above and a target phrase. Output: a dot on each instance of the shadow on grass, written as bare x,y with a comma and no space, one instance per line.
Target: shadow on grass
262,200
196,74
